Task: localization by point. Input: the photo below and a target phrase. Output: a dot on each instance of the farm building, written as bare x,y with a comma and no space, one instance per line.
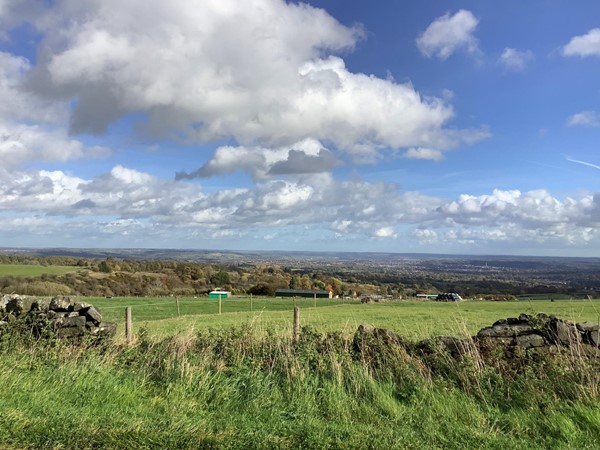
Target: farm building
219,294
427,295
448,297
303,293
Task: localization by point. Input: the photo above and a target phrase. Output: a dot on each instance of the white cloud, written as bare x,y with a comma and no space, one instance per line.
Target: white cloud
269,76
17,103
425,235
584,45
265,72
513,59
584,118
14,12
32,129
385,232
127,202
21,143
448,34
424,153
533,210
304,157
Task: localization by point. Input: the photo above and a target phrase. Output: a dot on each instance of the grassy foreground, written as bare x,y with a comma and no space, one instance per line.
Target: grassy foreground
239,388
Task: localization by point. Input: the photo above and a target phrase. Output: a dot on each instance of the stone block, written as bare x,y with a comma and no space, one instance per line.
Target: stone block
78,306
41,304
506,341
592,338
56,315
505,330
3,301
587,326
92,314
517,321
563,333
61,303
69,322
530,341
70,332
18,305
105,329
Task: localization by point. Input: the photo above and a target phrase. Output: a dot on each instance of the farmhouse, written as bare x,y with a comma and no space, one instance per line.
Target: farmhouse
303,293
217,293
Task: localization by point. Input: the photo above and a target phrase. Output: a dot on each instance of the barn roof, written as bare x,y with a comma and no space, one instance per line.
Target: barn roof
301,291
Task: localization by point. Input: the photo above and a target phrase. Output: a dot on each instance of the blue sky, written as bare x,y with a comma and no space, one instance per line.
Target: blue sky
417,126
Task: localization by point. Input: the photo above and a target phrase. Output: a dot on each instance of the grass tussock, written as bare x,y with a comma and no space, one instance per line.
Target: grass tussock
239,388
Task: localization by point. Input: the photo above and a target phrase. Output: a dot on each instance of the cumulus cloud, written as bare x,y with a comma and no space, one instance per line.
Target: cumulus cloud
14,12
424,153
448,34
267,76
18,104
21,143
585,45
30,127
530,210
584,118
299,162
265,72
516,60
304,157
425,235
370,209
385,232
126,200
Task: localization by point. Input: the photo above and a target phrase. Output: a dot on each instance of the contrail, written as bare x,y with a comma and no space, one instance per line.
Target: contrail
584,163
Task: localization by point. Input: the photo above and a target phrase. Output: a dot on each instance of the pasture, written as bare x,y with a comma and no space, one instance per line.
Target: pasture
412,319
34,270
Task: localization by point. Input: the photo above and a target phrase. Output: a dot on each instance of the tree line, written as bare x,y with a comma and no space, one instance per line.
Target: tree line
125,277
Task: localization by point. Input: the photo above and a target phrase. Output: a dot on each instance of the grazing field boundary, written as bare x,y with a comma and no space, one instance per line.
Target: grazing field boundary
412,319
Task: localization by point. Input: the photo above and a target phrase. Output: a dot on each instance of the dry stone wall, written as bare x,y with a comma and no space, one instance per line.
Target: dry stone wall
542,333
524,335
63,316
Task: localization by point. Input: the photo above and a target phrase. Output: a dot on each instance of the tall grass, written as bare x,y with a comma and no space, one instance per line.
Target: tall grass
239,388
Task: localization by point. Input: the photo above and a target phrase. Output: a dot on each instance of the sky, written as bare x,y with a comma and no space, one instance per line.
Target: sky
463,127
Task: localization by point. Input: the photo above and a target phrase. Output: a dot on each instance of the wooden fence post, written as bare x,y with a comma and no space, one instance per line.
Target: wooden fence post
128,325
250,301
219,304
177,302
315,300
296,324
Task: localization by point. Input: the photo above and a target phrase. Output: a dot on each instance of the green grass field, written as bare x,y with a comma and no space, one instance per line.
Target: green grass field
203,380
413,319
24,270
